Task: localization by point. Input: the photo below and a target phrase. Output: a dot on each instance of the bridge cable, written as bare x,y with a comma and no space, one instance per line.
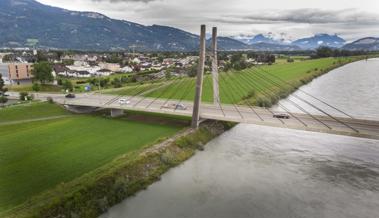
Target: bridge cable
245,100
322,111
301,99
292,102
176,85
145,96
255,86
228,96
211,87
186,92
168,87
296,105
268,95
310,95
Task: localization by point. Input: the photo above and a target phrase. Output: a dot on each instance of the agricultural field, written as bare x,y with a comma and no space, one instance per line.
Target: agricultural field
39,155
239,87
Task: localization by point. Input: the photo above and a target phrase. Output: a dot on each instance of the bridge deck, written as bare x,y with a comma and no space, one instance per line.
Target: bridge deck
240,114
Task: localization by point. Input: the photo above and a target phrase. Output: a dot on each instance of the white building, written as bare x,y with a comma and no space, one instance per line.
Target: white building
110,66
126,69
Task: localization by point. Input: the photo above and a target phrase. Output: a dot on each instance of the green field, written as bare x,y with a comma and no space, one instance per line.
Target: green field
239,85
30,111
39,155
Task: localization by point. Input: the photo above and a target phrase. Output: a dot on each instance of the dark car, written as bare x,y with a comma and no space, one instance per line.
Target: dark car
281,116
70,95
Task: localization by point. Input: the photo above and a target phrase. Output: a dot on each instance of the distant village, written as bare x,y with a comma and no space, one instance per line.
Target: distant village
17,66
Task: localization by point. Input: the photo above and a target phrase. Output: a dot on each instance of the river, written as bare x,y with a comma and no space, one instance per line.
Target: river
256,171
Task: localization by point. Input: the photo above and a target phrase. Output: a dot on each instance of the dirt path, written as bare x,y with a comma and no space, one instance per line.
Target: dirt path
33,120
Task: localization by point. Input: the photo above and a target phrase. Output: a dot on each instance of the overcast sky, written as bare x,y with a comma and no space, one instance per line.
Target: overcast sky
291,19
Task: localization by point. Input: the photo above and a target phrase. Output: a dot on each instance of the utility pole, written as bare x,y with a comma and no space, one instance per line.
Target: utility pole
216,94
199,80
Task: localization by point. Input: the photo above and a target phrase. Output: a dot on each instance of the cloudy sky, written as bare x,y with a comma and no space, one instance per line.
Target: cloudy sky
289,19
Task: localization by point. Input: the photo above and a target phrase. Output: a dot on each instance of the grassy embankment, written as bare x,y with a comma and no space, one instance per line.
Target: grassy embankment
242,82
37,156
28,88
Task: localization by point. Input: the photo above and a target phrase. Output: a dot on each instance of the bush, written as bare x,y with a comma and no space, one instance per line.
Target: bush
3,99
36,87
24,96
50,100
263,102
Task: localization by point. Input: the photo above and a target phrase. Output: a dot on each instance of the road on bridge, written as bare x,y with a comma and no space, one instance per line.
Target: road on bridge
224,112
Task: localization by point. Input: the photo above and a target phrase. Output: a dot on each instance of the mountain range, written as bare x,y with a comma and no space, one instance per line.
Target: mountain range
26,21
368,44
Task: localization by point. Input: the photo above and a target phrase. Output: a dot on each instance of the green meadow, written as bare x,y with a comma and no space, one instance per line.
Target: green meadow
38,155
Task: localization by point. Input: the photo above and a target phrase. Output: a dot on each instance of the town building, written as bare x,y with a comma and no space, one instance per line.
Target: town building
20,73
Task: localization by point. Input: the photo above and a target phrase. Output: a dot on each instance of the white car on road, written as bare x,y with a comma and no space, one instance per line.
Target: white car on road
123,101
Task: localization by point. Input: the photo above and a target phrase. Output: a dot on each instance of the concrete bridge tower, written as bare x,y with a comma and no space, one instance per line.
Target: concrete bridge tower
216,94
199,80
200,75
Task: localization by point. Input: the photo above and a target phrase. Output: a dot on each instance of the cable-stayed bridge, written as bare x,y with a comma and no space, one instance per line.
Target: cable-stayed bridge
314,114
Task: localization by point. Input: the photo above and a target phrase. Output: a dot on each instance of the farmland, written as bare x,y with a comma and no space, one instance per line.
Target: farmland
38,155
241,86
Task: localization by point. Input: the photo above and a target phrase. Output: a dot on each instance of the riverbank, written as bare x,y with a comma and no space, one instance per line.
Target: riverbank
93,193
272,83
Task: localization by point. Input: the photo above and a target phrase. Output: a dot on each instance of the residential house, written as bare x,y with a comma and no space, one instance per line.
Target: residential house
103,72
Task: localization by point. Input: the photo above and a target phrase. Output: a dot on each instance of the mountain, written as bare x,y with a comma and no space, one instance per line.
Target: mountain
228,44
260,38
368,44
263,46
25,21
318,40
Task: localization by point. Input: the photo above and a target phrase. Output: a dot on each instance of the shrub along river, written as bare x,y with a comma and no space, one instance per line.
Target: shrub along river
255,171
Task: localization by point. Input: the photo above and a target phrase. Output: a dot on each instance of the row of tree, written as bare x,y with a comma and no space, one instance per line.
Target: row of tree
324,52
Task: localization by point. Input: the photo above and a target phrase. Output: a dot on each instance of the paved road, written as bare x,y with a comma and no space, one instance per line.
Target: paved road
240,114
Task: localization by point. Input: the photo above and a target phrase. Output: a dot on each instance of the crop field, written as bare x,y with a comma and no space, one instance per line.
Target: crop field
38,155
240,86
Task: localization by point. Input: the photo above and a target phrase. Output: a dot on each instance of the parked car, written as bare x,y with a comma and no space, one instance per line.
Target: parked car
281,116
123,101
70,95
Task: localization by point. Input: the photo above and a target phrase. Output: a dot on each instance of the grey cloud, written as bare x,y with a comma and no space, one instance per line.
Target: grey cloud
306,15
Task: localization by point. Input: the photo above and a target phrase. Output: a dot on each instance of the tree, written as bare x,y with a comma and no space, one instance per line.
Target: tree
192,71
41,56
8,58
116,82
67,85
104,82
42,72
3,90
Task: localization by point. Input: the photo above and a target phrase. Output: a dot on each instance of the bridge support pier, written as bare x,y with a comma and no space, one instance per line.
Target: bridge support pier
117,112
199,81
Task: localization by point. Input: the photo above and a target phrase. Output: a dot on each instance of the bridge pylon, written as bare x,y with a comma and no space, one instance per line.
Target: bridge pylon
199,80
216,92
